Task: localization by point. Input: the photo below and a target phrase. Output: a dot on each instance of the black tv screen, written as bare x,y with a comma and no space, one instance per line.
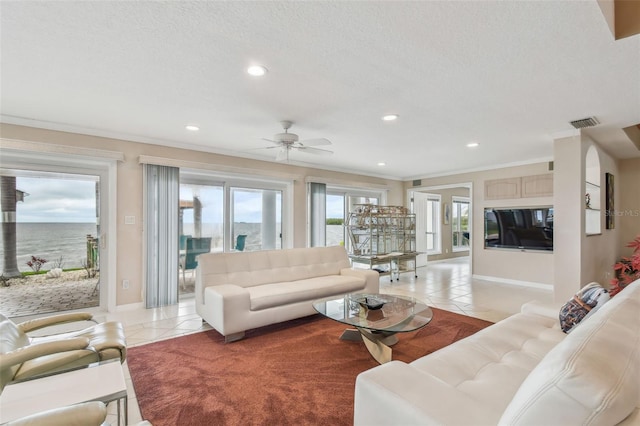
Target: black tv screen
529,228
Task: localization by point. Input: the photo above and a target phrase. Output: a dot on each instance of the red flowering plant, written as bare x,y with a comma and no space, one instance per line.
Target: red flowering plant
36,263
627,270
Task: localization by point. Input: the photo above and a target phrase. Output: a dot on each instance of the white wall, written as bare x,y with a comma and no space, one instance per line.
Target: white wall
599,251
129,190
446,196
506,265
579,258
568,188
627,210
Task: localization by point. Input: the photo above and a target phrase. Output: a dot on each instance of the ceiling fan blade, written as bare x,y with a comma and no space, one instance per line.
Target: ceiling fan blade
272,141
310,150
261,148
315,142
283,155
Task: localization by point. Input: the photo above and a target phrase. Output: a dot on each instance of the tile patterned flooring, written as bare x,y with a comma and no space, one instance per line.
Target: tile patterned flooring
446,285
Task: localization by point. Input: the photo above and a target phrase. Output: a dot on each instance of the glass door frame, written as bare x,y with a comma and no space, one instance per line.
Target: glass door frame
460,200
106,171
348,193
227,182
230,230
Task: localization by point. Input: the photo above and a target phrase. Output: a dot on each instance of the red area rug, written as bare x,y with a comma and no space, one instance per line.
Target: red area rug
295,373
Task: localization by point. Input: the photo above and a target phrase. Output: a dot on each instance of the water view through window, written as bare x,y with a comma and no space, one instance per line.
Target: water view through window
53,221
49,252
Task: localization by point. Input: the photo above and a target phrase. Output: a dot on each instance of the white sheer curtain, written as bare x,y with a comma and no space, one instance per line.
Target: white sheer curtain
162,206
317,214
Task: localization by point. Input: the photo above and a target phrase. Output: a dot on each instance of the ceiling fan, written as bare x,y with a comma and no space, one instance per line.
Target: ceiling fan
289,141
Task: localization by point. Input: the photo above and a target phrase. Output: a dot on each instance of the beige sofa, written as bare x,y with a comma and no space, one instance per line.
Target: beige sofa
239,291
520,371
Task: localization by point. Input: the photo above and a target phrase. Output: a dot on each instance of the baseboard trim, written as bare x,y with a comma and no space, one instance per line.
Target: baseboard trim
129,307
540,286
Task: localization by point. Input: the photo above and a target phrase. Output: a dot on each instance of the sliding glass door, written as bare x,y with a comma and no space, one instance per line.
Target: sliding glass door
338,205
335,219
256,219
202,213
51,241
218,216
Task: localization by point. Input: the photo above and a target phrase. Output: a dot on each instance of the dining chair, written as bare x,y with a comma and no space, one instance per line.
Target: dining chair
240,241
194,248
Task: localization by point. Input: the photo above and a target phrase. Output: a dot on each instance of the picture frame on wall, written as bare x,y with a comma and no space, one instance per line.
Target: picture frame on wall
447,213
609,200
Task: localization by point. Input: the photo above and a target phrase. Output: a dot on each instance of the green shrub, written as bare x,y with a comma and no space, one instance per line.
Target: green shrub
335,221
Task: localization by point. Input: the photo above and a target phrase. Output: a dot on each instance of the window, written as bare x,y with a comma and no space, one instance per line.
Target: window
335,219
336,204
56,221
235,214
433,224
460,223
339,204
256,213
83,199
202,213
427,210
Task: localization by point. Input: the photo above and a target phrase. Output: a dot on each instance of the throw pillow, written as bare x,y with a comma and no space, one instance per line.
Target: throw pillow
583,304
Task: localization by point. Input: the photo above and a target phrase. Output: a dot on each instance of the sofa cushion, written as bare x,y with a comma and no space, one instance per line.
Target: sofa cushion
491,364
592,376
277,294
249,269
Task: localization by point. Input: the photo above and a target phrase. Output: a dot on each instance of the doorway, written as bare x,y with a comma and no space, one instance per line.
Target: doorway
443,221
52,262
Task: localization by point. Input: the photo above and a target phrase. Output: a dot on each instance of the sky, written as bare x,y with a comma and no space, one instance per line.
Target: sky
247,204
56,200
72,200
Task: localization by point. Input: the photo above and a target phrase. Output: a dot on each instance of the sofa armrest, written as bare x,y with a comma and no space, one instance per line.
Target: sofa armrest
536,307
39,323
372,278
83,414
397,393
30,352
224,306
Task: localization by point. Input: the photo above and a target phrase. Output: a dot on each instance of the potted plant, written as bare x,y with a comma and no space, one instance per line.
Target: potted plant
627,270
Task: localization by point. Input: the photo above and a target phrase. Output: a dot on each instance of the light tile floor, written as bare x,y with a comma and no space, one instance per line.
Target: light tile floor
446,285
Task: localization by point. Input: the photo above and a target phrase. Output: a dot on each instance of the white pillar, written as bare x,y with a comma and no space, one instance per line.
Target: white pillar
568,226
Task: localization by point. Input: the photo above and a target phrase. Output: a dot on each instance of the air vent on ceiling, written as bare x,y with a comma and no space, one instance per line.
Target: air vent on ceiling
585,122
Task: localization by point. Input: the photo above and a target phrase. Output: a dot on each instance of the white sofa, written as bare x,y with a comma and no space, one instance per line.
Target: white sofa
239,291
520,371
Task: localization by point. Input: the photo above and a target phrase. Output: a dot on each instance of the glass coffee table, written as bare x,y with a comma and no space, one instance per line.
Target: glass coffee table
377,318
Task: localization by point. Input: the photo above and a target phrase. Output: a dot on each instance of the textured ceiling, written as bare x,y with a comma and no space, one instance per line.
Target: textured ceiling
508,75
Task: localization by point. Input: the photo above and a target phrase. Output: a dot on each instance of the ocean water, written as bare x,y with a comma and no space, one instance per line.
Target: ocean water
253,232
51,241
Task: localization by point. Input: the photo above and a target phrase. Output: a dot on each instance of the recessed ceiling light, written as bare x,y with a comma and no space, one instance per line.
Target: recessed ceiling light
192,127
257,70
390,117
472,144
382,163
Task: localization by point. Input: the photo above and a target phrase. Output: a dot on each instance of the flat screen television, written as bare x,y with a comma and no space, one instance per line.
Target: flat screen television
520,228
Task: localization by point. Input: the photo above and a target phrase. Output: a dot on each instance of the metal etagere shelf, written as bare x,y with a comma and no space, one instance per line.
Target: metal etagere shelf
382,236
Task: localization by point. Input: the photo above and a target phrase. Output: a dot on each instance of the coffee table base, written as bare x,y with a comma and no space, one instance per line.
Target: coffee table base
377,342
